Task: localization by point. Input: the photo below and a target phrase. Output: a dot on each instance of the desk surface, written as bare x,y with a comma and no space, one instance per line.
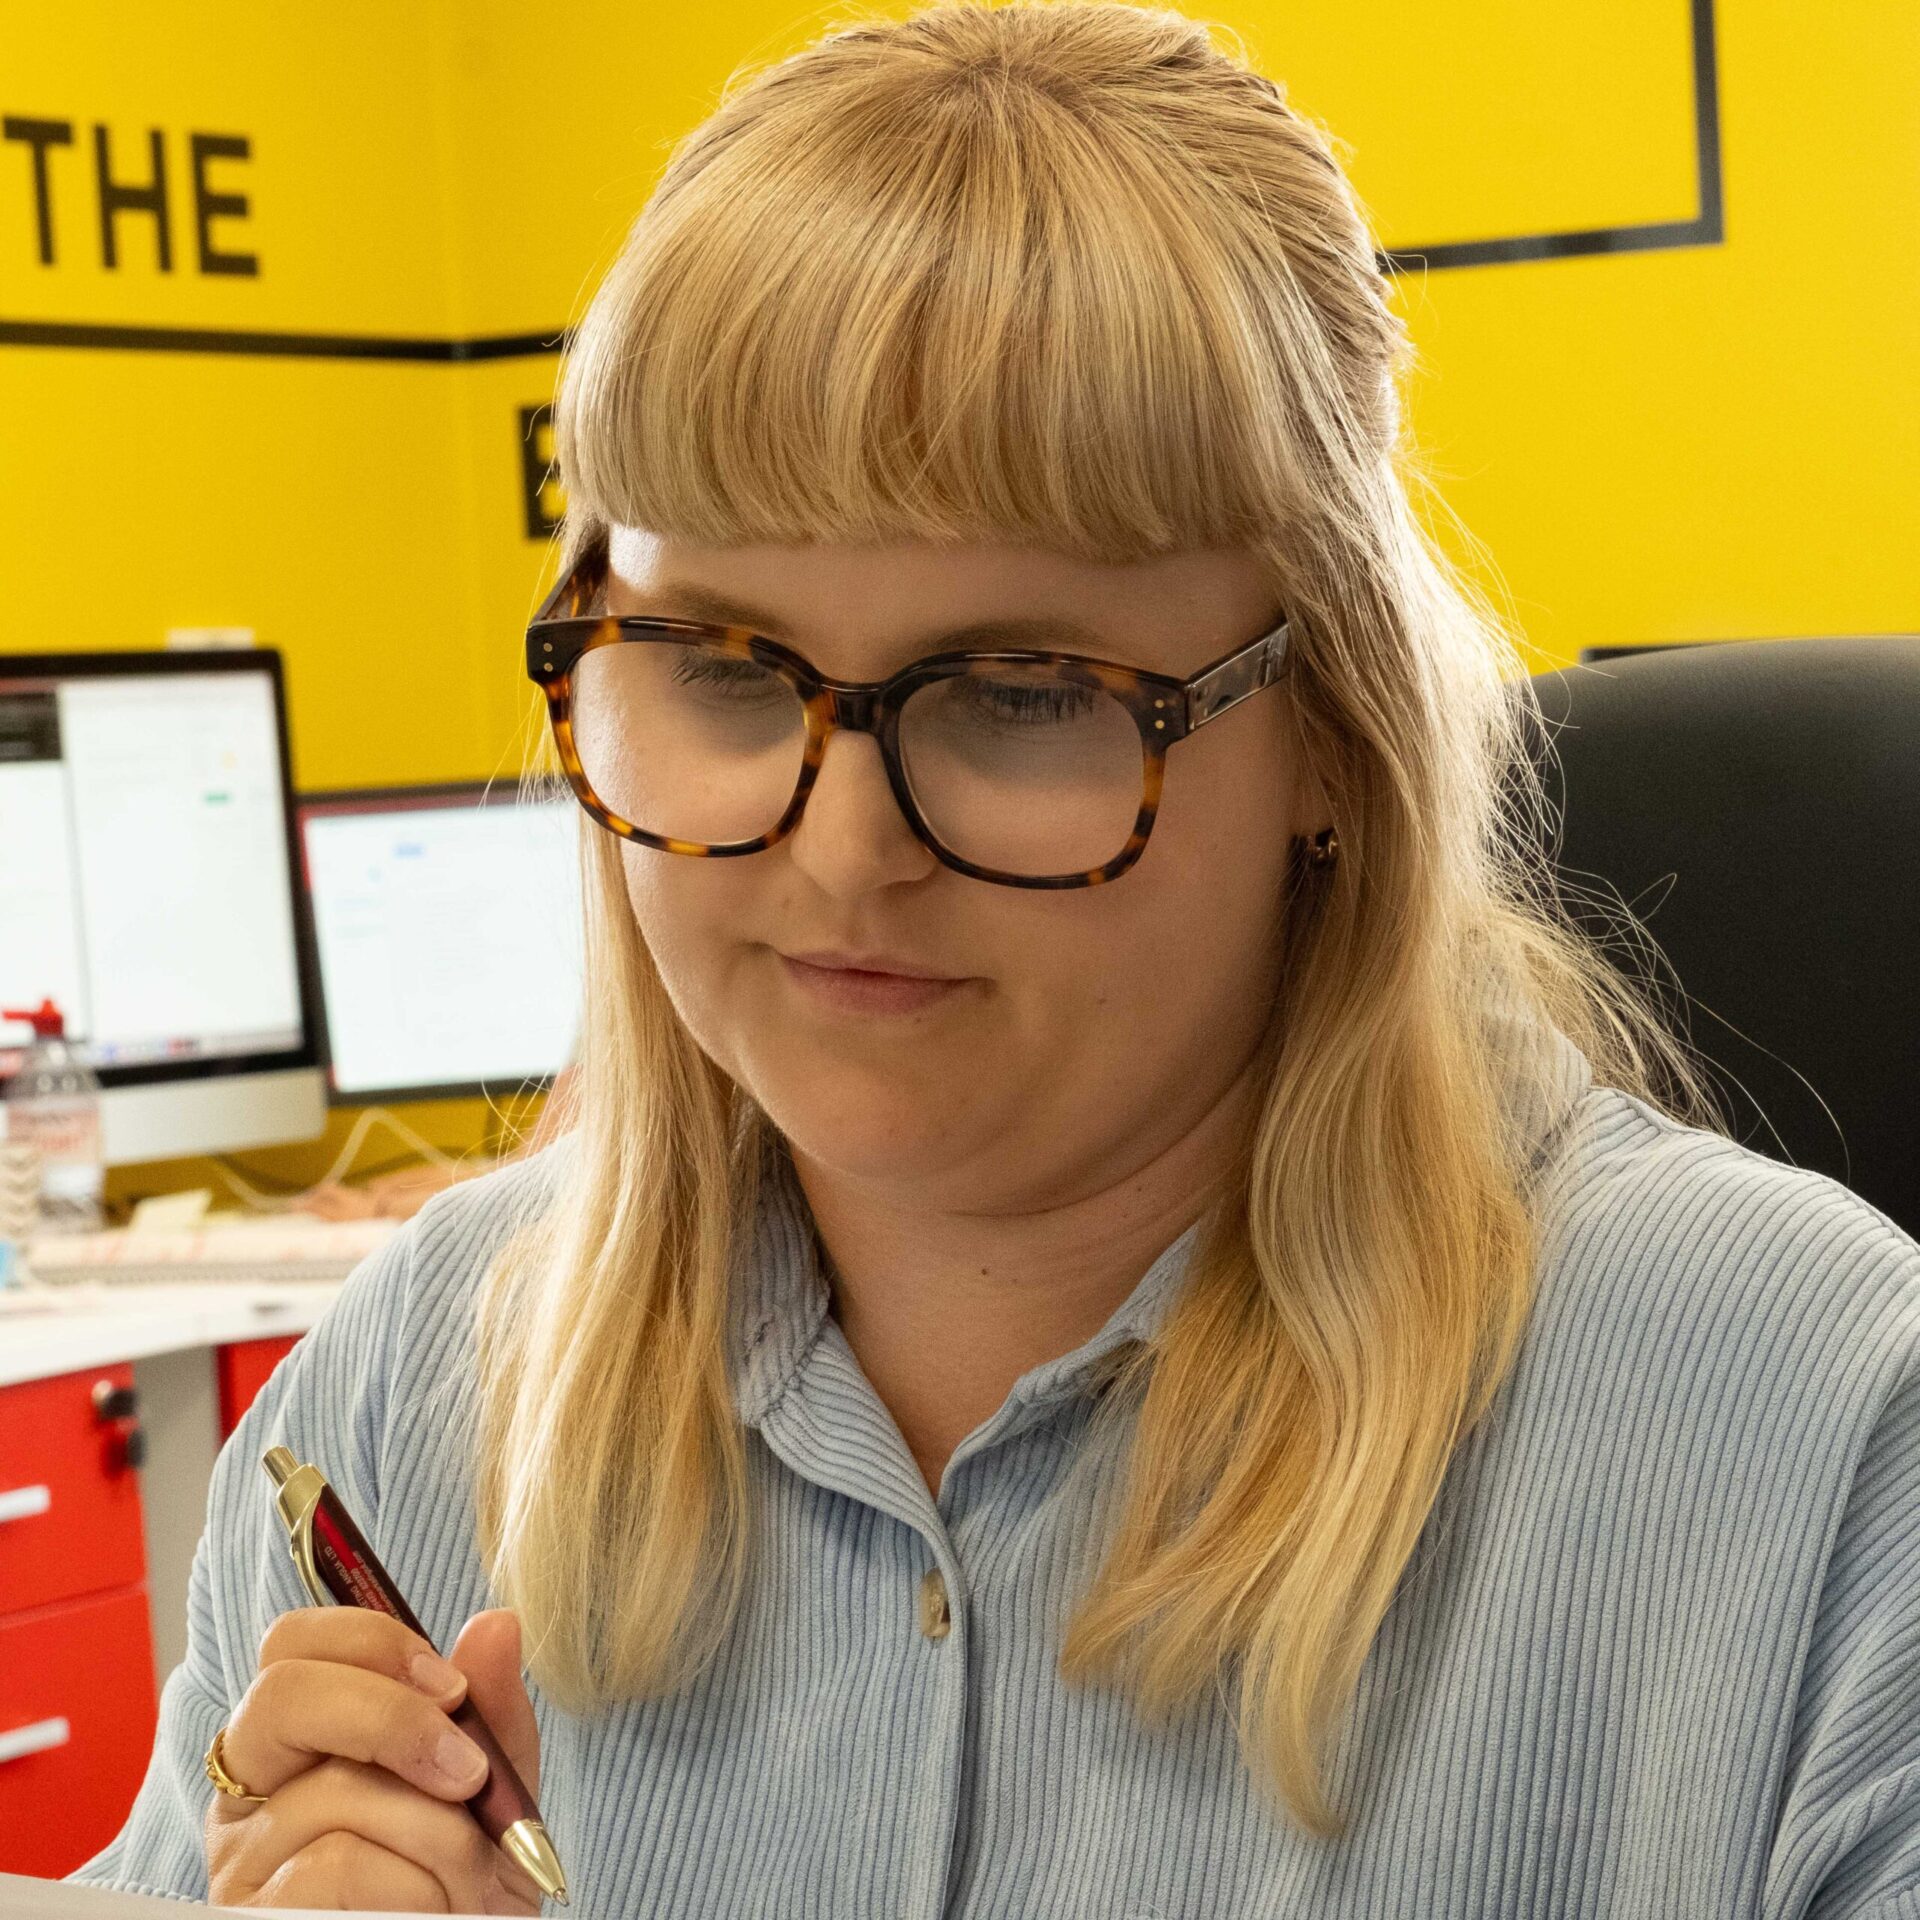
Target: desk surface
46,1330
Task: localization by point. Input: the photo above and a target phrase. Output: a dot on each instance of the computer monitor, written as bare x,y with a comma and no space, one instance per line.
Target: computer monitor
448,928
149,886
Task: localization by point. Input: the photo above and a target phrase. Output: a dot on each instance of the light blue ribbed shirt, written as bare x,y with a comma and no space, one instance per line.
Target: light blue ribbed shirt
1658,1653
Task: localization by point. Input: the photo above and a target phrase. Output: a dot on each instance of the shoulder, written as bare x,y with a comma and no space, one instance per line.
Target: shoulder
1698,1273
1638,1187
457,1233
1708,1449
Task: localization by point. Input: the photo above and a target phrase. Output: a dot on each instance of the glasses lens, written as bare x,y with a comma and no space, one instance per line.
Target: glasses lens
687,741
1023,771
1015,769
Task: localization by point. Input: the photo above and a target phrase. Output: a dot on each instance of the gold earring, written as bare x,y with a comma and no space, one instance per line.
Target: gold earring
1324,849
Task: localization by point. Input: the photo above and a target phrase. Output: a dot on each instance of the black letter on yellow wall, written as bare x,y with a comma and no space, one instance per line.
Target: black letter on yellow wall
208,205
116,198
539,489
40,135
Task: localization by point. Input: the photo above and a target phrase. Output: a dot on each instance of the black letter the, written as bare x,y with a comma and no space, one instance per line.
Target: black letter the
117,198
40,135
208,205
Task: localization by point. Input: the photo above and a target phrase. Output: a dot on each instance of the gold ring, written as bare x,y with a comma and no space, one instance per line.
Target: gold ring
218,1774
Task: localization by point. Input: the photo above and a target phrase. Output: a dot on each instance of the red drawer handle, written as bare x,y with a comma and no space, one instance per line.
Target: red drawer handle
22,1503
39,1736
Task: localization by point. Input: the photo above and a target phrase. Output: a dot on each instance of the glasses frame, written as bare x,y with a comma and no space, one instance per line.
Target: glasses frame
1166,710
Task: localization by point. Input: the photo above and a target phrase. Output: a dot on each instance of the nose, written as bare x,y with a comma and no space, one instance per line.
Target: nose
852,836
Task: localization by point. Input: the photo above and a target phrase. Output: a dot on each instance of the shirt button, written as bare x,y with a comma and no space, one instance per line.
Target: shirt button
935,1617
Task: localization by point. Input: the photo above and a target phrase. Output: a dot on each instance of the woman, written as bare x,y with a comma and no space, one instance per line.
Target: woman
1255,1396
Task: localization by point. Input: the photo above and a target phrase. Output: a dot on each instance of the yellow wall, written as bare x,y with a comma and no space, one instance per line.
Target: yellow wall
1696,441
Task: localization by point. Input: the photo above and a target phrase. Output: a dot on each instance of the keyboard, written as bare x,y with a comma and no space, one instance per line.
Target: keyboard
287,1246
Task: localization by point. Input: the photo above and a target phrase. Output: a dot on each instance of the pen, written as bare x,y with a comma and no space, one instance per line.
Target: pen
336,1564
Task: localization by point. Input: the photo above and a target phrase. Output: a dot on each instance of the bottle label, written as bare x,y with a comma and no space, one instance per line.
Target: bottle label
68,1137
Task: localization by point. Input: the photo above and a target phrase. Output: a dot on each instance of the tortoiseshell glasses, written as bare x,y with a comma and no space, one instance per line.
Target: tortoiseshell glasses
1026,768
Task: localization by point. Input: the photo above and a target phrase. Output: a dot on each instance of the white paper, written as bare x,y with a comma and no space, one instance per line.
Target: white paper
22,1898
170,1210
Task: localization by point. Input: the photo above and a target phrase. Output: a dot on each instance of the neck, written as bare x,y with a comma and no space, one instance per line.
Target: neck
946,1309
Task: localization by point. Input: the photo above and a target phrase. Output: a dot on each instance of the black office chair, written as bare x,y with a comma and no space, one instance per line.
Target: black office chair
1757,805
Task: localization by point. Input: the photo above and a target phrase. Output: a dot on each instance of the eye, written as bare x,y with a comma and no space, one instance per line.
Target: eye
1034,701
739,682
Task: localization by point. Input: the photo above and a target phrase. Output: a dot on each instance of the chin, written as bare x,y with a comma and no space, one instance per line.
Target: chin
864,1135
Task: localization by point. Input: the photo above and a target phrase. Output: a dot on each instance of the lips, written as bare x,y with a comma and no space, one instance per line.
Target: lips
857,991
870,963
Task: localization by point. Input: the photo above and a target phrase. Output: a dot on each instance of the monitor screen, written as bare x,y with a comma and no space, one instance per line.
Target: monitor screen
448,926
146,862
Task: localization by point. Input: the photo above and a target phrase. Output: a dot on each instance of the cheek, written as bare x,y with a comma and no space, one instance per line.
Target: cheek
653,899
1205,920
682,918
649,887
1228,815
1197,960
687,905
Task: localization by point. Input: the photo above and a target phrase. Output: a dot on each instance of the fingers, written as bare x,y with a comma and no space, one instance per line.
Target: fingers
488,1653
341,1796
358,1637
341,1870
298,1712
346,1729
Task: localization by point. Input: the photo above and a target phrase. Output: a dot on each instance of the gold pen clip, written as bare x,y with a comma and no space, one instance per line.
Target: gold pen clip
299,1494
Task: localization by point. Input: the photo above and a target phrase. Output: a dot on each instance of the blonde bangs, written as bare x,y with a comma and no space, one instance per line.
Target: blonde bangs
896,321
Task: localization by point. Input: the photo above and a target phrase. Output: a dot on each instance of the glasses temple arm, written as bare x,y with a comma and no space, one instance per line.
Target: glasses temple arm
1256,665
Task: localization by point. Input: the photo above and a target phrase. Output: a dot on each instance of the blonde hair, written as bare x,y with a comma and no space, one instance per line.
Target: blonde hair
1068,274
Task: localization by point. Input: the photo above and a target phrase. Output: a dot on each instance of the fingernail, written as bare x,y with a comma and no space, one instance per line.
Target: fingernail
433,1675
460,1760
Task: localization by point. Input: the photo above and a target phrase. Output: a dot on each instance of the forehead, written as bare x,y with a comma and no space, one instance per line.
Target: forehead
1172,614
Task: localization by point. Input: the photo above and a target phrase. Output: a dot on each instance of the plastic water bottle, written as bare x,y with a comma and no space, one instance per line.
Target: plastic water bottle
53,1100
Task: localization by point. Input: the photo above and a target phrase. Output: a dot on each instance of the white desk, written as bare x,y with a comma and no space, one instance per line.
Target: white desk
45,1330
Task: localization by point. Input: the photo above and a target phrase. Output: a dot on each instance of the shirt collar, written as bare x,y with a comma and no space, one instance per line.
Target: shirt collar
781,1297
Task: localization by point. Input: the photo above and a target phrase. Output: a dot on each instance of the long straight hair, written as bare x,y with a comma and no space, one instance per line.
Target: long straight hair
1070,274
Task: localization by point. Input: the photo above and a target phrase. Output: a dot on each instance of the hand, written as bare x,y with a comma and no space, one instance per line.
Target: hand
365,1774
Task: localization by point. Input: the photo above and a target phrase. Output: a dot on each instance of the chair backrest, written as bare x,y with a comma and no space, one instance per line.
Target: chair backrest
1757,805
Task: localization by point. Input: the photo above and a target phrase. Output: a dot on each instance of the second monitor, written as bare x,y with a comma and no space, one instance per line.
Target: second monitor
448,925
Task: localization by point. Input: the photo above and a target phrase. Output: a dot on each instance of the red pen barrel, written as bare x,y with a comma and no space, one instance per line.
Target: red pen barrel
351,1572
349,1568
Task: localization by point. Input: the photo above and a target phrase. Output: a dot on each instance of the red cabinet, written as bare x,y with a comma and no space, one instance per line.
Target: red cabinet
244,1366
77,1702
76,1725
69,1501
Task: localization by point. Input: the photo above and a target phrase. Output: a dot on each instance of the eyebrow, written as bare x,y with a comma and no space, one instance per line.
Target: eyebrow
1030,630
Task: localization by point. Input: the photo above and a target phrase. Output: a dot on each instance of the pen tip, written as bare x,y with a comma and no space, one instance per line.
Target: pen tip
527,1842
